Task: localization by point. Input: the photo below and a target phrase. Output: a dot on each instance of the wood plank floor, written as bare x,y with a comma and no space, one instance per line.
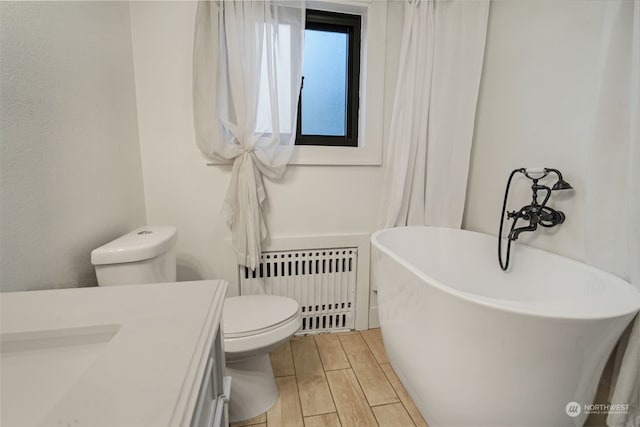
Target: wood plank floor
337,380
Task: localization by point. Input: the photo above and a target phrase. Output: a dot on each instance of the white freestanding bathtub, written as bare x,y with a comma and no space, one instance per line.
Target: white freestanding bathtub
475,346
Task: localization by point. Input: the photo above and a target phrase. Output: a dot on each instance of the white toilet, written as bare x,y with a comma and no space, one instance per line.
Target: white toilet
254,325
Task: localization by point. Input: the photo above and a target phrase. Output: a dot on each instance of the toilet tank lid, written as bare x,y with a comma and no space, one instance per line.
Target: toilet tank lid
138,245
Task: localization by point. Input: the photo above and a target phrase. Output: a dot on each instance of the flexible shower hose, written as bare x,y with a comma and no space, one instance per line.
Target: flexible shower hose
504,265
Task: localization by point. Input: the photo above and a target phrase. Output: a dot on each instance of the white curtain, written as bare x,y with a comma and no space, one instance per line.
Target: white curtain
433,114
250,116
612,228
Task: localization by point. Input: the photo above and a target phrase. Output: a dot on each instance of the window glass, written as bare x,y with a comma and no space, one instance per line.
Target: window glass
324,97
329,99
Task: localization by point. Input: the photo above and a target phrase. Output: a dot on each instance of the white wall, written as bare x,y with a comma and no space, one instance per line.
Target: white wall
71,167
535,108
70,163
181,190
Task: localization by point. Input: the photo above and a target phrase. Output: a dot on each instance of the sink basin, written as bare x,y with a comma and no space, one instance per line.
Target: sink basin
38,367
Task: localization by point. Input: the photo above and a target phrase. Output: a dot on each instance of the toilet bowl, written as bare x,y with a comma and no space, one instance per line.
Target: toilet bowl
254,326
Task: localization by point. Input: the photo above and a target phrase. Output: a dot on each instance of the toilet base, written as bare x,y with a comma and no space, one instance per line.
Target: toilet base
253,387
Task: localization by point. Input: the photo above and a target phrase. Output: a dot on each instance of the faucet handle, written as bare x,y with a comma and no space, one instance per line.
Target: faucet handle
512,214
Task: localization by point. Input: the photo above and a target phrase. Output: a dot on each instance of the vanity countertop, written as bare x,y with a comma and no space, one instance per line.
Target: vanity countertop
106,356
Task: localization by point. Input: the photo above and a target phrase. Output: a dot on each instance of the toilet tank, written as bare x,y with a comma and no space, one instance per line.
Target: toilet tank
144,255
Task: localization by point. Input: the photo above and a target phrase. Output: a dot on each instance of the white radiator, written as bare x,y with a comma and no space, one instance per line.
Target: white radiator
323,281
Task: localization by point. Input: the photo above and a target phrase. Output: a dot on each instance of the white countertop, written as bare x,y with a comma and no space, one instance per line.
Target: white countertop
106,356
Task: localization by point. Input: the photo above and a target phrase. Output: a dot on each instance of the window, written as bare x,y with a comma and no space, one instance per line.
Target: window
329,99
370,120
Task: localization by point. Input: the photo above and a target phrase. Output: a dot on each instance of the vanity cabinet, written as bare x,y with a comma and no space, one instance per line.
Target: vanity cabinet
212,407
114,356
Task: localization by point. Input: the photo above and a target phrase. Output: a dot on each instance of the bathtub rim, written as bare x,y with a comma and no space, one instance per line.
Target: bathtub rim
496,303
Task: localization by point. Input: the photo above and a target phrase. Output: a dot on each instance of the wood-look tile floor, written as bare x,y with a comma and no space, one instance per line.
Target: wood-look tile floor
337,380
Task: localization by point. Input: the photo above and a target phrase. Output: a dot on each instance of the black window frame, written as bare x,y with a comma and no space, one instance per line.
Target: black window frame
351,25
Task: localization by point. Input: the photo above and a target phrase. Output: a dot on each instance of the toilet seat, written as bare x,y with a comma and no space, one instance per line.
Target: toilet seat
254,314
253,322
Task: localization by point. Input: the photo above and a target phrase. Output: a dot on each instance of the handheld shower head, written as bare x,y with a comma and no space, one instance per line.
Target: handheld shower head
561,184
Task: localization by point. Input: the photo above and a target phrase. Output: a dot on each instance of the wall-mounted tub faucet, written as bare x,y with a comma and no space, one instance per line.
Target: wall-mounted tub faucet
536,213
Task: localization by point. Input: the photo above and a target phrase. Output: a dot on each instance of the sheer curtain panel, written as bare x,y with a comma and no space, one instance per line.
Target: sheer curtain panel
246,82
612,227
433,115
